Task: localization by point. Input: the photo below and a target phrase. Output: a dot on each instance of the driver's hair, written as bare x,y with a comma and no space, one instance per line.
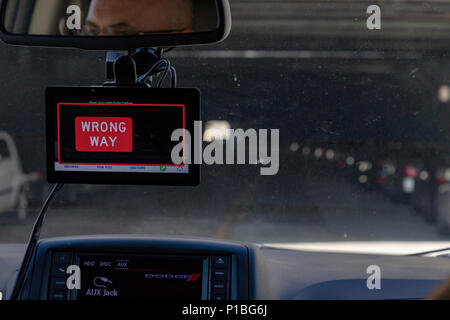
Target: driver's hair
442,292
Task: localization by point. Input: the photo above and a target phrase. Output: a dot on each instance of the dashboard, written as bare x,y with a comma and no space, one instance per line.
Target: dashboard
181,268
138,268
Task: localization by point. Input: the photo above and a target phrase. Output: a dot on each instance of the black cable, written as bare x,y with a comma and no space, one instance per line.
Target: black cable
34,238
163,77
168,49
150,72
173,73
162,65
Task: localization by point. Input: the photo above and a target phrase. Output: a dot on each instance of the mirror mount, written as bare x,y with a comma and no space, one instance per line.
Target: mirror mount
138,68
125,71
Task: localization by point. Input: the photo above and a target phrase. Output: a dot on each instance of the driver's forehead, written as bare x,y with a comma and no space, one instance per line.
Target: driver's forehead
111,11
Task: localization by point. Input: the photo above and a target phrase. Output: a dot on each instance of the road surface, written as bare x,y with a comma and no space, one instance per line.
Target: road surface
307,207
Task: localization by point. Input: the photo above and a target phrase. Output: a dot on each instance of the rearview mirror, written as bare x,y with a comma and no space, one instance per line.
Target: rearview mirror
114,24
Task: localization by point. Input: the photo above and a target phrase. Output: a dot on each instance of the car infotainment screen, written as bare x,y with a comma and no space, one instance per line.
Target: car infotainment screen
120,135
141,277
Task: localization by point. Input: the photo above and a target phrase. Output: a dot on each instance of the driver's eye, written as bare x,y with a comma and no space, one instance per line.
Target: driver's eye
91,31
117,33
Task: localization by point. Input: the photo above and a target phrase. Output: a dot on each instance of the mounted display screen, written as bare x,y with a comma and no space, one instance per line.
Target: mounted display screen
141,277
120,135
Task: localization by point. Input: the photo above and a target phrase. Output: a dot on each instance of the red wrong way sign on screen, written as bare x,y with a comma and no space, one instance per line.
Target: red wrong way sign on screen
103,134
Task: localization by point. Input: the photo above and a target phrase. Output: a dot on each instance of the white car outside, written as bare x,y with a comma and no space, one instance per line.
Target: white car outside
13,181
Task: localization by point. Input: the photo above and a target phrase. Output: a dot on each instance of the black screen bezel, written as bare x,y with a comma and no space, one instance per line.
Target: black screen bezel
190,97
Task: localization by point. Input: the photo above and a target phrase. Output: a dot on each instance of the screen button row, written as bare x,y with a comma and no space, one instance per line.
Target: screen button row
220,277
57,287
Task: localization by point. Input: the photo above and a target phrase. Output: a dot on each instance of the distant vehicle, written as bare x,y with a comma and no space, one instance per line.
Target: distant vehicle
384,176
409,174
442,199
398,180
431,197
13,181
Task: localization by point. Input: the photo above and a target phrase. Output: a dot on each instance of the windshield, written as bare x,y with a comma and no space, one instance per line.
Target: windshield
364,129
